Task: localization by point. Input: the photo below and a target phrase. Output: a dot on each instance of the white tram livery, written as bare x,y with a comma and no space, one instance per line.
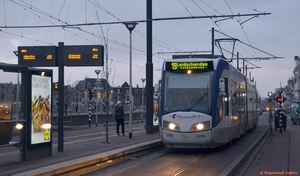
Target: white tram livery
205,103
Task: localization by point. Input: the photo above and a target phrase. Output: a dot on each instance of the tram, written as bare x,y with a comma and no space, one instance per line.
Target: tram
205,103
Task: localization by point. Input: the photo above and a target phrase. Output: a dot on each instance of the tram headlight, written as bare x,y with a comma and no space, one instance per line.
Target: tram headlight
171,126
201,126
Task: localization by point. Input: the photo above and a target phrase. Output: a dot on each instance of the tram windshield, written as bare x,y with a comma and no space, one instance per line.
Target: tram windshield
188,92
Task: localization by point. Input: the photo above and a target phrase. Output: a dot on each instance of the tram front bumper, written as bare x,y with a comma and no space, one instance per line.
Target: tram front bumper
172,139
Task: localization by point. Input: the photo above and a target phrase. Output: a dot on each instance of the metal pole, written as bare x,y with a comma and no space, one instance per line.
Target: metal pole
90,106
18,89
237,61
143,79
5,87
90,112
97,102
130,27
60,55
130,88
149,72
106,90
212,41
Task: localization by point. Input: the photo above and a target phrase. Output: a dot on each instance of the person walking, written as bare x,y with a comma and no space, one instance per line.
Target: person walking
119,115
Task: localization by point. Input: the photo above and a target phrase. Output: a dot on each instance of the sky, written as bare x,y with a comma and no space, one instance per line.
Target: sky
259,36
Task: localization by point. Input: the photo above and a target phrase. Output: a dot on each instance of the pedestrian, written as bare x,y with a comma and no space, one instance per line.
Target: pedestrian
119,115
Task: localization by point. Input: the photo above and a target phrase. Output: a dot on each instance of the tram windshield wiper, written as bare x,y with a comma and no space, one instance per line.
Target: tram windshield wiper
197,101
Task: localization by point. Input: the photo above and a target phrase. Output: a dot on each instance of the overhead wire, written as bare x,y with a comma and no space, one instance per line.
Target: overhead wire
155,41
246,6
28,38
210,7
4,11
215,22
61,9
240,26
81,29
248,44
192,15
32,8
185,8
240,57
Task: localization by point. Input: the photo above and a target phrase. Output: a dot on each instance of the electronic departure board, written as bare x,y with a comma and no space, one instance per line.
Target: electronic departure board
74,55
83,55
37,56
195,66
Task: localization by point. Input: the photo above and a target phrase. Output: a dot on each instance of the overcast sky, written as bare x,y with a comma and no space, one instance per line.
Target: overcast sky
276,34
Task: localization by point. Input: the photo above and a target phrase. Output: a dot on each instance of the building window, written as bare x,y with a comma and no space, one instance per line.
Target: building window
136,91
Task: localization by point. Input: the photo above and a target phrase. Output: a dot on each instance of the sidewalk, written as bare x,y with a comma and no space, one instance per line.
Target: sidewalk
280,155
84,150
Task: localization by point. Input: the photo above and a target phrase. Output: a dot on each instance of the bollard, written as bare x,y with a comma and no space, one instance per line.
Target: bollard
280,121
90,106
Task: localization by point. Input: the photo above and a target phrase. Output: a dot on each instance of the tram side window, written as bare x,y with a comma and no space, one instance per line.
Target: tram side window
234,99
226,98
242,100
219,113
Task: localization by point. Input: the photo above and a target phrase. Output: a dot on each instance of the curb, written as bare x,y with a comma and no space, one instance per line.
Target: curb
69,166
235,165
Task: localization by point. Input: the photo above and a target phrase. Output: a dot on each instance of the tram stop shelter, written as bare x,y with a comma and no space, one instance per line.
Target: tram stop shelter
25,113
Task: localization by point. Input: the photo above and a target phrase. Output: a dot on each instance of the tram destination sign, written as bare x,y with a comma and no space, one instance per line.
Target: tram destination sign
37,56
183,66
83,55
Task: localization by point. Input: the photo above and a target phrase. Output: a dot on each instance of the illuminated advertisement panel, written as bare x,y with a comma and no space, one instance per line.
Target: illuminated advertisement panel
40,109
155,111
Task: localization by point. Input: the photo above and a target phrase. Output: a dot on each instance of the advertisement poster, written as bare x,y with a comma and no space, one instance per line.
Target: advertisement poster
155,109
40,109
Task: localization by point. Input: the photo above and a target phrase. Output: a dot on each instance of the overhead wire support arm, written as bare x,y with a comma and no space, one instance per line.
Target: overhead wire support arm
249,45
248,68
138,21
248,19
181,52
259,58
223,19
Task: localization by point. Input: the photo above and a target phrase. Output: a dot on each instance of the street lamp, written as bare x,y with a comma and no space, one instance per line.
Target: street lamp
130,26
97,100
143,79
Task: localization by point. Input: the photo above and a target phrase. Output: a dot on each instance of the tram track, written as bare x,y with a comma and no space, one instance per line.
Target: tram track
183,169
89,164
174,162
177,163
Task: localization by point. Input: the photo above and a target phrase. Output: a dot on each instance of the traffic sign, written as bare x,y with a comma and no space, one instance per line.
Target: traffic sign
279,99
270,100
270,106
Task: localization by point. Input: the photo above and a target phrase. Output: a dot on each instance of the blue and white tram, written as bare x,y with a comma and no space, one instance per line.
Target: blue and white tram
204,103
